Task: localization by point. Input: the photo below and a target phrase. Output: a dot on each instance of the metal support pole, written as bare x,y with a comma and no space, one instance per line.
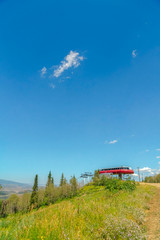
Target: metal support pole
138,174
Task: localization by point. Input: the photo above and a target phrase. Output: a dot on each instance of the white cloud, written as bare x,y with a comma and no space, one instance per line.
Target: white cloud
157,171
114,141
73,59
158,149
157,157
43,71
110,142
151,171
135,174
134,53
146,169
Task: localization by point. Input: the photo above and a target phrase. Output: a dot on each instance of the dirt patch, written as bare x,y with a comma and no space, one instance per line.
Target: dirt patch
153,216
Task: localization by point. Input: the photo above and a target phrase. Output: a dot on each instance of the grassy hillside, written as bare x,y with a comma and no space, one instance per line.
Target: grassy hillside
95,214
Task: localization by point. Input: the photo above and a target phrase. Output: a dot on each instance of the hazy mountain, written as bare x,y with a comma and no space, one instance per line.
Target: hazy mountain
12,184
10,187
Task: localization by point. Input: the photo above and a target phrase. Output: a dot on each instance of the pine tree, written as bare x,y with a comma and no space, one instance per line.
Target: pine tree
96,177
62,181
34,195
50,179
64,187
49,190
3,212
74,185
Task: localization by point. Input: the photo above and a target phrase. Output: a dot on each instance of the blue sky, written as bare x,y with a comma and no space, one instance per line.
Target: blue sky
80,86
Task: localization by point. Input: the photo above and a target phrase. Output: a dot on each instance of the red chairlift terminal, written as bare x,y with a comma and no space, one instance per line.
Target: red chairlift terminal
117,171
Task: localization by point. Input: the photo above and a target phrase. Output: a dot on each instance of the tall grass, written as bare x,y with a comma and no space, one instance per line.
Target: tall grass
96,213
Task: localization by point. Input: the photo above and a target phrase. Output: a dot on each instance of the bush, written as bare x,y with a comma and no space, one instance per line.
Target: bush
116,184
13,204
1,205
24,202
120,228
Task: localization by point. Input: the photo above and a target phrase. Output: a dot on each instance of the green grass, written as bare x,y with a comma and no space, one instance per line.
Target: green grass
95,214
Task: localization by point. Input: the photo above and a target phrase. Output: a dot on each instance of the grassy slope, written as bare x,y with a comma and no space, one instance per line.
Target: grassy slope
95,214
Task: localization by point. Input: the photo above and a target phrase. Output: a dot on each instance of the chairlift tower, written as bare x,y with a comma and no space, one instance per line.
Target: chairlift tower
86,175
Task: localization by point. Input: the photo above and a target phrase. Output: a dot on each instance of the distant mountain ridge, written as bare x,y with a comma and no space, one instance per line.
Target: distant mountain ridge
11,187
11,184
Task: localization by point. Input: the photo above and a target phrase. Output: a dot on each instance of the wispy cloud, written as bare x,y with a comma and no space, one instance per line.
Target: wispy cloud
147,150
73,59
158,162
135,174
111,142
134,53
43,71
157,171
158,149
146,170
158,157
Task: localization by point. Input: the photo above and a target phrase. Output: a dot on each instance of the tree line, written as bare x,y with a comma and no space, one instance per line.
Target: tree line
50,194
152,179
39,196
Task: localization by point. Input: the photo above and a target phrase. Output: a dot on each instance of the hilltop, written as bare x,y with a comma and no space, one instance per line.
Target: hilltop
95,213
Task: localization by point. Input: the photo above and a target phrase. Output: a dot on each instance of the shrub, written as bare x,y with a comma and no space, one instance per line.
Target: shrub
120,228
41,196
24,203
96,177
116,184
13,204
74,185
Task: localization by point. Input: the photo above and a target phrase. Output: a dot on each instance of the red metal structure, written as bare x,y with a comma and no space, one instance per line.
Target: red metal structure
117,171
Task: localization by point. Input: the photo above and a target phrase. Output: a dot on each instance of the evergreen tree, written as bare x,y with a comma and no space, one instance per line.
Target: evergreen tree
62,180
3,212
34,195
96,177
49,190
74,185
50,179
65,189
